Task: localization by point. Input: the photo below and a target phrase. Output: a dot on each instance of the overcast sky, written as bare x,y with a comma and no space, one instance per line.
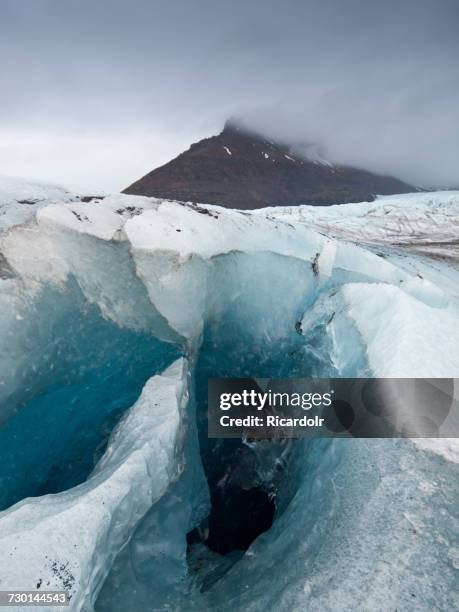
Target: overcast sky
95,93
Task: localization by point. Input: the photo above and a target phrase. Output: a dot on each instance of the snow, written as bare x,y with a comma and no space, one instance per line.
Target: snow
414,218
15,189
173,246
228,150
208,235
102,219
20,199
405,337
70,539
448,448
170,270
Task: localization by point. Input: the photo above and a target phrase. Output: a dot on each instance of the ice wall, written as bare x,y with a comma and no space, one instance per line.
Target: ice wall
67,542
98,297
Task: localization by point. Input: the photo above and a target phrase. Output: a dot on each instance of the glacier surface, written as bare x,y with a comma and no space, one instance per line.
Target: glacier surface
114,314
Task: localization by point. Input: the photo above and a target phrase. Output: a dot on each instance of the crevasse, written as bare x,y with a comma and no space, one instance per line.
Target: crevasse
114,314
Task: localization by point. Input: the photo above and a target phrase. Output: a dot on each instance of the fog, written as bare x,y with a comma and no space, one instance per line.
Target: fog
95,94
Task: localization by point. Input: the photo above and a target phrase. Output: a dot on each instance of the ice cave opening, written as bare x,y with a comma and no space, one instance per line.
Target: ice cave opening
250,482
240,509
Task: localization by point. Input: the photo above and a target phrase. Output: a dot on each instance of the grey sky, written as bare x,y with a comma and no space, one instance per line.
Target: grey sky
95,93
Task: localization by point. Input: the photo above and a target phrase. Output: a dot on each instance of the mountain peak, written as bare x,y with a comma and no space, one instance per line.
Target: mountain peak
241,169
232,125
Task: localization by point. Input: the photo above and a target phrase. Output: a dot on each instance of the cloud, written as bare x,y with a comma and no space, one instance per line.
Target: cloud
98,93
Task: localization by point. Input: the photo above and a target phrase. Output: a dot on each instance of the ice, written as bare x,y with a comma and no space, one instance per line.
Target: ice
172,247
344,543
422,219
405,338
158,546
68,374
446,447
97,298
20,199
69,540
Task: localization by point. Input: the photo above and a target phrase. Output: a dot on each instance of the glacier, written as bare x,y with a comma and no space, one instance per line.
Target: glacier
116,311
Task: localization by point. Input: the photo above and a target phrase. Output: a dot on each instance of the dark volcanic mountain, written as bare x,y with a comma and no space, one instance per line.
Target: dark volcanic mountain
238,169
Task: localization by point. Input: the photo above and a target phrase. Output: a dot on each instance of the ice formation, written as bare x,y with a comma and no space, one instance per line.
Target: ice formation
68,541
114,314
